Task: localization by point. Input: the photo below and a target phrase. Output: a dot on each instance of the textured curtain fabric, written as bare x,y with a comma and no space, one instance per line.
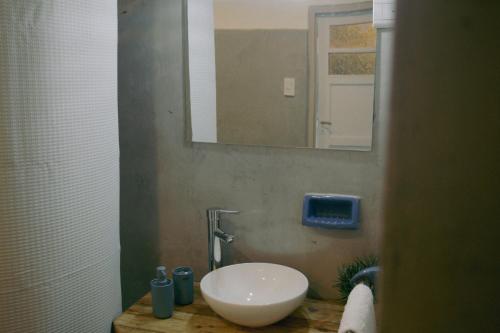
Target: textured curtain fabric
59,155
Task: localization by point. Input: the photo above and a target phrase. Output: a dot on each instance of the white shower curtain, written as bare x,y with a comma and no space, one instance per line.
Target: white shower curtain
59,179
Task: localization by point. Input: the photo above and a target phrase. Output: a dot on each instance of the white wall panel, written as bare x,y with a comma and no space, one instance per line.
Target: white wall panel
202,70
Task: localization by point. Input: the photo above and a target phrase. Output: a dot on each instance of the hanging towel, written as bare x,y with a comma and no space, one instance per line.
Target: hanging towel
359,314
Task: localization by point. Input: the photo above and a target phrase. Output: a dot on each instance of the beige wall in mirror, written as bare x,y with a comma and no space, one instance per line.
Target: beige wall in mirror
282,73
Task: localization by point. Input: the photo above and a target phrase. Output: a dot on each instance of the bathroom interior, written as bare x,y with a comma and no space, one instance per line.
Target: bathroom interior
249,166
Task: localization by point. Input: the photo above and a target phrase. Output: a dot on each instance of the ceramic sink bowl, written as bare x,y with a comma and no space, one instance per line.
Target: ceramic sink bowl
254,294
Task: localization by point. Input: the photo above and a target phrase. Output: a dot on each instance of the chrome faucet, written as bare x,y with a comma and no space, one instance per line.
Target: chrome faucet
215,235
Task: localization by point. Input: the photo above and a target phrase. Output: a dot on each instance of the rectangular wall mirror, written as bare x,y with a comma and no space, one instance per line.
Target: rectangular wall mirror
285,73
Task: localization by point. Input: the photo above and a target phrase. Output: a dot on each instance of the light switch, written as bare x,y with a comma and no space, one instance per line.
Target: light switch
289,86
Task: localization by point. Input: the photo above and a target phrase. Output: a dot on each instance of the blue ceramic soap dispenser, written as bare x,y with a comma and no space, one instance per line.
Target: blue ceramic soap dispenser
162,292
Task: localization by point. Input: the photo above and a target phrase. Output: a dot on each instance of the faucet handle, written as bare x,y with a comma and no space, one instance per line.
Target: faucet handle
223,236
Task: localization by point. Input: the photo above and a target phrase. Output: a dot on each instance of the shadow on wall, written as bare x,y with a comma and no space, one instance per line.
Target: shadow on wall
138,153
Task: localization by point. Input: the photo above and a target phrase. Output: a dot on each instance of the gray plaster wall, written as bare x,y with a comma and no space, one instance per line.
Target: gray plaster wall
250,68
139,222
181,180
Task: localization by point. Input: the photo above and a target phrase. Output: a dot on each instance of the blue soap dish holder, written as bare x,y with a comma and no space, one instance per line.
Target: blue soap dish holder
331,211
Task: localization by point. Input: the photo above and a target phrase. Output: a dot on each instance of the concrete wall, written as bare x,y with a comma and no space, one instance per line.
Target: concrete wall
137,94
182,180
251,106
267,14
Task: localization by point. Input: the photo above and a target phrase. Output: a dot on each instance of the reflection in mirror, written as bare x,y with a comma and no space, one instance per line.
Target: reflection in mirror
282,73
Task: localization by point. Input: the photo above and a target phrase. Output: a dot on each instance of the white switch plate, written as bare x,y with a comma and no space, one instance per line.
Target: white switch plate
289,86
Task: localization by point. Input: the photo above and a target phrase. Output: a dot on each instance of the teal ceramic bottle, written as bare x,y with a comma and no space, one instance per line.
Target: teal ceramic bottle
183,285
162,292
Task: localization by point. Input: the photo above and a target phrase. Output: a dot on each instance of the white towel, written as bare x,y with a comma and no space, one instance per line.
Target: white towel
359,314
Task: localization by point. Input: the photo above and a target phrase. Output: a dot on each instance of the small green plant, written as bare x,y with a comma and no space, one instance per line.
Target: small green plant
346,273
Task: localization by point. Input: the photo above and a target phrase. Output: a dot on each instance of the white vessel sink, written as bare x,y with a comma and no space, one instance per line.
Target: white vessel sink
254,294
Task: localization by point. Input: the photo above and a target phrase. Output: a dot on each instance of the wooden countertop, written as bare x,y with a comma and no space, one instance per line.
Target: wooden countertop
312,317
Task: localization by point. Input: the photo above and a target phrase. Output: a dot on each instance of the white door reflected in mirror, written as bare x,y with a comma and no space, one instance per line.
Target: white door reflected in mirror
272,73
346,77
